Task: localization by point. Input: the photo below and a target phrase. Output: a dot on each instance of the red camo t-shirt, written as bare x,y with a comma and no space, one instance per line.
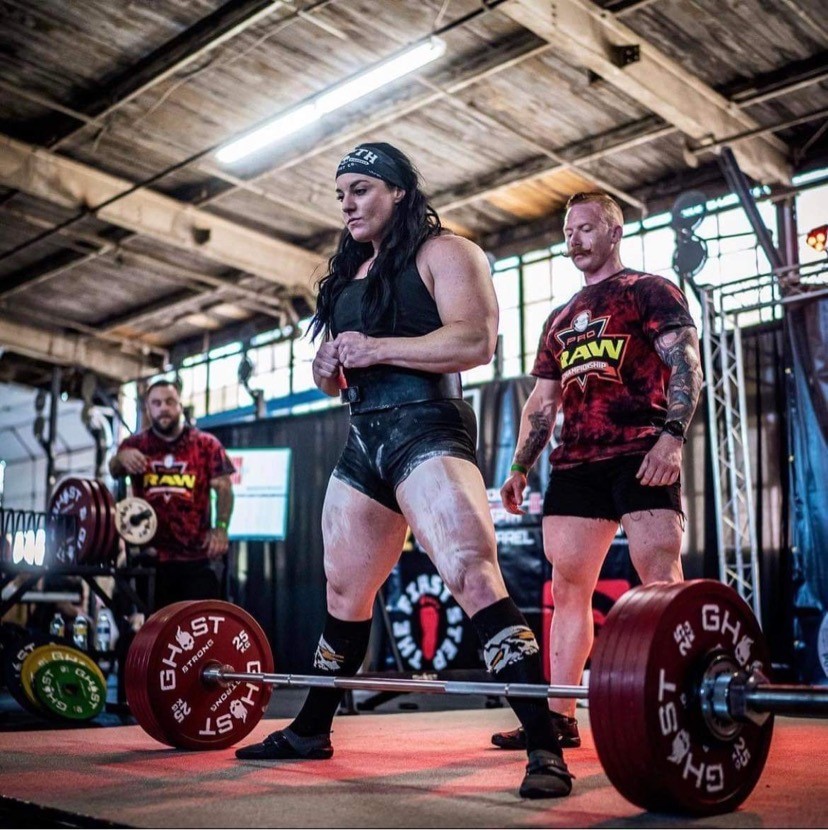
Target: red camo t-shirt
177,484
599,345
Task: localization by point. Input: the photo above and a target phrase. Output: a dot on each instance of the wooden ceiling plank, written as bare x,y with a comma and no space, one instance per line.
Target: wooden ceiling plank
586,34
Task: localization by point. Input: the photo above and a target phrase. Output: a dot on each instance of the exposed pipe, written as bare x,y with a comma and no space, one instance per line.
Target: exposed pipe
53,429
757,131
738,184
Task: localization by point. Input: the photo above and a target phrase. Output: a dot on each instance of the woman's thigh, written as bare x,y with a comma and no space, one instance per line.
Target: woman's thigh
444,500
363,540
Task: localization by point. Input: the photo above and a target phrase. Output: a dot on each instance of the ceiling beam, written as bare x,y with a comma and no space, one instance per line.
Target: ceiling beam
69,183
539,167
88,246
74,350
586,34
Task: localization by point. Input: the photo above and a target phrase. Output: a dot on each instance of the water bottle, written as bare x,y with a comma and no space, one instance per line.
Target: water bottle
80,632
57,627
103,640
103,632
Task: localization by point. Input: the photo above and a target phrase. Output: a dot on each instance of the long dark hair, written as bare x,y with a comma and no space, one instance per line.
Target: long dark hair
413,221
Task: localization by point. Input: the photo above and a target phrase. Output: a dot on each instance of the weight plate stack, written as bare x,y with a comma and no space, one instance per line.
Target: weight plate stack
644,695
14,657
164,686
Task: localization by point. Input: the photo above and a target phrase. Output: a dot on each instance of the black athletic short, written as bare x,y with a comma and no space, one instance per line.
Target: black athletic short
606,490
385,446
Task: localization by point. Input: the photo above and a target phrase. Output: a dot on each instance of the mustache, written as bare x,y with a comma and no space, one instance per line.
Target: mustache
571,252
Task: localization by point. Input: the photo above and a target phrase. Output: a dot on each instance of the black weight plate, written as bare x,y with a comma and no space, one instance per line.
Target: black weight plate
15,654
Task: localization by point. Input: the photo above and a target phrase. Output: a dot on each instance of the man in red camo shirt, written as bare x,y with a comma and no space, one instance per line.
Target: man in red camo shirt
174,466
621,360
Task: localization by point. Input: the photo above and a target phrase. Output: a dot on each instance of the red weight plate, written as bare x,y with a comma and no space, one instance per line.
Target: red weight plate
105,555
112,547
612,638
74,497
630,728
137,688
723,772
680,764
136,672
619,637
625,761
164,675
93,557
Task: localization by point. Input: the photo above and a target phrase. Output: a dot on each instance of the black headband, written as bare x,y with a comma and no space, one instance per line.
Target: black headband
374,163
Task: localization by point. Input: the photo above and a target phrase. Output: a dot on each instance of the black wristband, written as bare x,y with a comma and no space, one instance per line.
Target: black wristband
675,428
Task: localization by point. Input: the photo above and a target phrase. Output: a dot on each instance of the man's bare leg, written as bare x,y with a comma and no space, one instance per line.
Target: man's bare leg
655,544
576,547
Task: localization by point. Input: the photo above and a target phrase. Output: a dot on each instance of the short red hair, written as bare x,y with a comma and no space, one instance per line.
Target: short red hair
609,207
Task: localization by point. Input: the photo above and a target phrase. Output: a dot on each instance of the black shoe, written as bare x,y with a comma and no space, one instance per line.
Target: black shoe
546,776
566,730
287,744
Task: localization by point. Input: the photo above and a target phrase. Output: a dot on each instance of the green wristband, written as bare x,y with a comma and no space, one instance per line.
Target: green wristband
519,468
222,525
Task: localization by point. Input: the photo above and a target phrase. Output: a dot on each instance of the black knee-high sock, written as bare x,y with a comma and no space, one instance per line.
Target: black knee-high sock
512,656
341,650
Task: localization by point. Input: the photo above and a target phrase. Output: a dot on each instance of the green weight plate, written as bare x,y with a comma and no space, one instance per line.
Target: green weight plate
69,690
47,654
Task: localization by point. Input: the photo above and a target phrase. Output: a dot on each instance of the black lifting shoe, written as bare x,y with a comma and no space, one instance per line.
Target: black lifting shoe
546,776
287,744
566,730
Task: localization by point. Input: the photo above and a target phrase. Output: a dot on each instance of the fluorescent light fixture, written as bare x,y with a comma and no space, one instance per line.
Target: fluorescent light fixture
387,72
338,96
290,122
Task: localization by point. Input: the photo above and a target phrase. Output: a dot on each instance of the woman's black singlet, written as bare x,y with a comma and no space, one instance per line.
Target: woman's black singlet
416,311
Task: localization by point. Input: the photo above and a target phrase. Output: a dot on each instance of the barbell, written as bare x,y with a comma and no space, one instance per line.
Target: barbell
680,706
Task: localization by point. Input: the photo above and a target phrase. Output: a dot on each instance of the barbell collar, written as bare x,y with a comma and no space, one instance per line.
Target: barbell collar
225,675
739,696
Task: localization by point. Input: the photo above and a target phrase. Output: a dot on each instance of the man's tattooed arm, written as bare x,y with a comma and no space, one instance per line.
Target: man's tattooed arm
679,349
537,421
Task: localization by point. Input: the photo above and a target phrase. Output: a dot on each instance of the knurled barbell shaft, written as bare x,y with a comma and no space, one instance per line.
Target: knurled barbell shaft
797,701
219,674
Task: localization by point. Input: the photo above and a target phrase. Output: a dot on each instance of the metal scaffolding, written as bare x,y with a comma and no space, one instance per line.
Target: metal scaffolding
732,481
733,486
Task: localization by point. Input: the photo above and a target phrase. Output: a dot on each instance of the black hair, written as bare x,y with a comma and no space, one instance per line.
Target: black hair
175,383
414,221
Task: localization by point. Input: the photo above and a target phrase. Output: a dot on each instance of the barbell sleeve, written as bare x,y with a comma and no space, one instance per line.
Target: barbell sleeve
794,701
